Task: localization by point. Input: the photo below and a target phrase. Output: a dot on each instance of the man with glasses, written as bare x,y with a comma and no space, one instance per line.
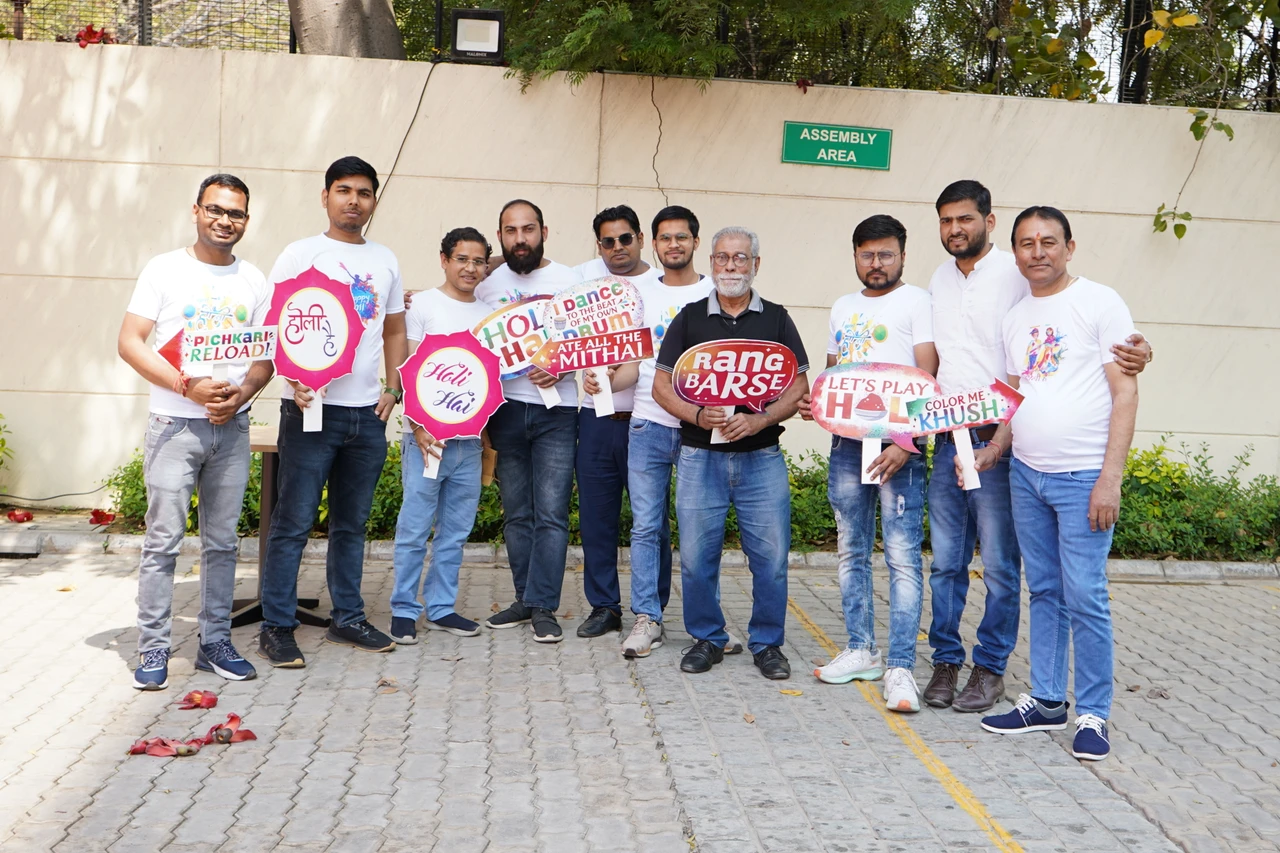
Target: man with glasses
601,465
535,443
748,472
347,454
446,504
197,438
889,322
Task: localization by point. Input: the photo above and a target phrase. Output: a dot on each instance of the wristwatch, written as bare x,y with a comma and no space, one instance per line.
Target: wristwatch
398,394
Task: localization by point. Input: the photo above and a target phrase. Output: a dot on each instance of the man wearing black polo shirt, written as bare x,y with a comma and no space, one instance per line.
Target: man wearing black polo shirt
748,472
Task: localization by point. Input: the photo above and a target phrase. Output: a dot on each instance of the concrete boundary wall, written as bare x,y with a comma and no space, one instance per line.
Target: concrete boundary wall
101,151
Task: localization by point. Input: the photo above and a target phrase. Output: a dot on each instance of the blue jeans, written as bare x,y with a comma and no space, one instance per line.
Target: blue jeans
536,448
755,483
448,504
183,456
348,454
1066,566
957,520
654,451
901,500
601,470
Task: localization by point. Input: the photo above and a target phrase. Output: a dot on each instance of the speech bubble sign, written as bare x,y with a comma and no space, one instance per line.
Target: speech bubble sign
514,333
869,400
594,307
452,385
562,356
995,404
230,346
319,328
734,372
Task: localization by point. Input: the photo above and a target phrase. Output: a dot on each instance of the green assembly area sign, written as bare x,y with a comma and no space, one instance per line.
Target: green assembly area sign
836,145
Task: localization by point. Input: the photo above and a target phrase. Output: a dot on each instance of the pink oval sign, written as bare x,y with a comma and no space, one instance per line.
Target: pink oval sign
734,372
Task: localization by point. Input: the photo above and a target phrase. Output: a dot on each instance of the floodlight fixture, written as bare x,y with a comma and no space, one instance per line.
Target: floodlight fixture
478,35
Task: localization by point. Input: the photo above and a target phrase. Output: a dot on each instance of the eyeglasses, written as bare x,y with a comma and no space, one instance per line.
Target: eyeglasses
464,262
885,258
621,240
682,237
215,213
721,259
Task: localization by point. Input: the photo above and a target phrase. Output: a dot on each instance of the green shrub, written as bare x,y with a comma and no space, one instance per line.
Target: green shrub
6,452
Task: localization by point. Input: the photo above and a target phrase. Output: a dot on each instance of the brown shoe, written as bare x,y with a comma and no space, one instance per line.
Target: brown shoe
942,687
983,691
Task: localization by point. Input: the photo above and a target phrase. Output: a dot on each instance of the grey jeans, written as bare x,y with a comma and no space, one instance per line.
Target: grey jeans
182,456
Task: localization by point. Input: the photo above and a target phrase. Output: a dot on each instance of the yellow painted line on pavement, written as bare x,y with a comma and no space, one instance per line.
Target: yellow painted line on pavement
898,723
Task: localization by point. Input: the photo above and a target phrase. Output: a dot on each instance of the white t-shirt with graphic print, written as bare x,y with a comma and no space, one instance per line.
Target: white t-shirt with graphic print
661,305
179,293
503,287
372,273
880,328
433,312
1057,346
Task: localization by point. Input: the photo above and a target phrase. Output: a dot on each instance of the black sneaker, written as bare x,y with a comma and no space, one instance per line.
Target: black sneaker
279,648
701,656
360,635
452,623
772,663
404,630
516,614
545,627
601,621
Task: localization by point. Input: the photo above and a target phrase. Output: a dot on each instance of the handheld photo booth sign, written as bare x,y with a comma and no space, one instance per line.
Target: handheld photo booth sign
319,330
961,412
227,347
599,308
734,372
452,385
869,401
514,333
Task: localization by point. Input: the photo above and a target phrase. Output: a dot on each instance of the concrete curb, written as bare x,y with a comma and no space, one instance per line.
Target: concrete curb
32,542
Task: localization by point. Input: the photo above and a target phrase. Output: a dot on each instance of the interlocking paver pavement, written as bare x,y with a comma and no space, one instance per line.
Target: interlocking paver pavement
497,743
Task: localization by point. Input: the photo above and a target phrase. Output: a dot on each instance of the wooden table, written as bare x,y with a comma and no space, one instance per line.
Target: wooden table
246,611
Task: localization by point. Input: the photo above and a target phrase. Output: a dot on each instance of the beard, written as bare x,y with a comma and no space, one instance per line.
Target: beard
971,250
890,281
678,265
523,264
734,285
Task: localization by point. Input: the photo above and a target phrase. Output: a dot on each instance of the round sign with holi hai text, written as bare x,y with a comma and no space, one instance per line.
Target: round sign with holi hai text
452,385
319,328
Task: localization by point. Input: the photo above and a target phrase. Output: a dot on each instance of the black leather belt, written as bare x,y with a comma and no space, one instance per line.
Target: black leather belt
985,433
620,416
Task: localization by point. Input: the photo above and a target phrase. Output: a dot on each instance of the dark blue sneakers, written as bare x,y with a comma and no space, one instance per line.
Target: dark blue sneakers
454,624
1091,741
222,658
1029,715
404,630
154,672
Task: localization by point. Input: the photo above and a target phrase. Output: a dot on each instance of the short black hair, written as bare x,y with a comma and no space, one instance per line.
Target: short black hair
675,211
465,234
345,167
877,228
613,214
1041,211
222,179
966,191
537,211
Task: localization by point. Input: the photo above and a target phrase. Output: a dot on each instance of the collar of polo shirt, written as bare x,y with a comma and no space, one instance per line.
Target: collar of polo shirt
713,303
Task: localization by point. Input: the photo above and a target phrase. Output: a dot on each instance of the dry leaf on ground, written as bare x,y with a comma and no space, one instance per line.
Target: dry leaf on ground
388,685
750,718
791,692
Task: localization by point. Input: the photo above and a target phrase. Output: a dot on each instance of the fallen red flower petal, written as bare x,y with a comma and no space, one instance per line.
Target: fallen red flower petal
163,747
229,732
198,699
19,516
99,516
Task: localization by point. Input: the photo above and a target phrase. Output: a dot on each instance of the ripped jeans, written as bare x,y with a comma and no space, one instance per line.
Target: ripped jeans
901,502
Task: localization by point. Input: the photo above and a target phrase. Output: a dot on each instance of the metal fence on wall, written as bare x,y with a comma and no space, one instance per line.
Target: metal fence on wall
227,24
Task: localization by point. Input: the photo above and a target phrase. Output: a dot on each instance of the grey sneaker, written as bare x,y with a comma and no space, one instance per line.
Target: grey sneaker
645,636
515,614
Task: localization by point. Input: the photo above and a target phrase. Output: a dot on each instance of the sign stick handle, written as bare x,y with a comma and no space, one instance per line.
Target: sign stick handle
604,399
220,372
964,451
870,450
717,437
313,415
432,468
550,396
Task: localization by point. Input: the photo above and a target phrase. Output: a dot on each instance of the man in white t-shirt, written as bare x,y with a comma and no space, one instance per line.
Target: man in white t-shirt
349,451
448,502
972,294
197,429
601,464
889,322
535,443
1071,435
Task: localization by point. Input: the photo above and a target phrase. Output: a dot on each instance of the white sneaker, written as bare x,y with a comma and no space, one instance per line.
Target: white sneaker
850,665
645,636
900,690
